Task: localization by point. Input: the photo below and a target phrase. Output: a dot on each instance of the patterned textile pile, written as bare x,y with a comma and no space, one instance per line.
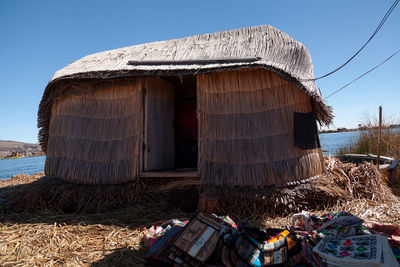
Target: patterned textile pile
342,239
338,239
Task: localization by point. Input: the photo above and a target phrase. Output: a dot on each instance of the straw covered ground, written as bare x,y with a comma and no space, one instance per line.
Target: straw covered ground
110,235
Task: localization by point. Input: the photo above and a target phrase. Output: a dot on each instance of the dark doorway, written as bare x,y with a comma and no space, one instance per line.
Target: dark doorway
186,123
171,124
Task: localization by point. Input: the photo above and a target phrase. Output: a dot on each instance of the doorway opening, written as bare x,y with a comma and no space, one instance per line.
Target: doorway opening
186,123
170,126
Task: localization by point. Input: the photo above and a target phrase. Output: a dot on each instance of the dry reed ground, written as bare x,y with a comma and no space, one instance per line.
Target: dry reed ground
44,237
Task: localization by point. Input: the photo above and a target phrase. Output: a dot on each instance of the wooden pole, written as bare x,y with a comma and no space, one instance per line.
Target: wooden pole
378,150
208,202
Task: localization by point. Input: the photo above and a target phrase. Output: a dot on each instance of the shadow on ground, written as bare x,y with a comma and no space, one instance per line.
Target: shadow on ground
50,200
107,234
123,257
396,185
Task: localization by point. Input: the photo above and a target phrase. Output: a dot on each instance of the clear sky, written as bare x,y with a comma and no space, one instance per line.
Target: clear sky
41,37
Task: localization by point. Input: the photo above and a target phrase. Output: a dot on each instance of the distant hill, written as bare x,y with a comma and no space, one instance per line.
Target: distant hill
7,147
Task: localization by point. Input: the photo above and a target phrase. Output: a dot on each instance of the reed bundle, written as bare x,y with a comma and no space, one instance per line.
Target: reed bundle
272,50
360,189
247,130
95,133
350,181
341,185
49,238
113,238
19,179
37,192
56,194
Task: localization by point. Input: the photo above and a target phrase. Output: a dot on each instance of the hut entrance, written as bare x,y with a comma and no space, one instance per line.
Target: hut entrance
170,126
186,123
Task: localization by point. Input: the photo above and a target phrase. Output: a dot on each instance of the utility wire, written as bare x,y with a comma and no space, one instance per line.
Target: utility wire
370,38
340,89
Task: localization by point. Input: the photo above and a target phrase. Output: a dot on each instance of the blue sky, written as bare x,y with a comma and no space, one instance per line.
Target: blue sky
40,37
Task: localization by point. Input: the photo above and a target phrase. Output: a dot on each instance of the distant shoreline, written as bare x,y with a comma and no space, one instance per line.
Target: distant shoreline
23,156
13,149
340,130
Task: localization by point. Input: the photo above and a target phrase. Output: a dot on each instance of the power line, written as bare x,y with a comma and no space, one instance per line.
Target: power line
370,38
340,89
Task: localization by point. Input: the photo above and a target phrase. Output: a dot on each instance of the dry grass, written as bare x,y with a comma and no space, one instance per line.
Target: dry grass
348,181
55,194
20,179
47,238
367,142
38,236
43,237
360,189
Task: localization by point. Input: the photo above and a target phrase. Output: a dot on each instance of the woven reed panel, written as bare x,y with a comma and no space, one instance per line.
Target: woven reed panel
95,133
246,130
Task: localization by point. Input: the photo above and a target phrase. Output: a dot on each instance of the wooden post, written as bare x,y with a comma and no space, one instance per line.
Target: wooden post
208,202
378,150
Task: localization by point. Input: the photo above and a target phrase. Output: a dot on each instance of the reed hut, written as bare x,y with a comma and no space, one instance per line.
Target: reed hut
236,108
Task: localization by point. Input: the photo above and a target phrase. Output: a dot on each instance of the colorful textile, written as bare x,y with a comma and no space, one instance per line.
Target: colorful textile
251,246
229,221
396,252
306,256
197,242
247,249
363,250
308,221
158,238
158,230
338,239
225,220
239,250
340,224
312,228
392,231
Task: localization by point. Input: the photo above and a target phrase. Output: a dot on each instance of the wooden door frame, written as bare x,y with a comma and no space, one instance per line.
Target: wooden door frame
144,127
143,145
198,112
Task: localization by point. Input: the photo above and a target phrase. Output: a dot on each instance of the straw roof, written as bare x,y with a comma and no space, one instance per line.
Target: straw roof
253,47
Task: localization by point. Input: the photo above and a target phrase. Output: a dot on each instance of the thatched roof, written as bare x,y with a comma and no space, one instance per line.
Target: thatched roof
253,47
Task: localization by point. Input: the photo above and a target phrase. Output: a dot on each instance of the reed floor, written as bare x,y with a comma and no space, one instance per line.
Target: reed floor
114,238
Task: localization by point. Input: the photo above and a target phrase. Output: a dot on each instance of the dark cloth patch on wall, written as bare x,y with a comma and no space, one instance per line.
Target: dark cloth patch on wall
305,130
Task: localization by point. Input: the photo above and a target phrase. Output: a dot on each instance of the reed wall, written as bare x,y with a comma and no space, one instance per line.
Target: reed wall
246,130
95,132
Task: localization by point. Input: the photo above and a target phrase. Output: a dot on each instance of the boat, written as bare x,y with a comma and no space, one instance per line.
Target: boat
16,156
387,165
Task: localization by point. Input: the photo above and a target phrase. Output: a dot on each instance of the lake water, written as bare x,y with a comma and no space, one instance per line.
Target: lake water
29,165
330,143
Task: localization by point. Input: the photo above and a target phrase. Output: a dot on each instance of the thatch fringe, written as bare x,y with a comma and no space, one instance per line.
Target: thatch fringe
358,188
38,192
56,194
273,49
95,133
57,89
